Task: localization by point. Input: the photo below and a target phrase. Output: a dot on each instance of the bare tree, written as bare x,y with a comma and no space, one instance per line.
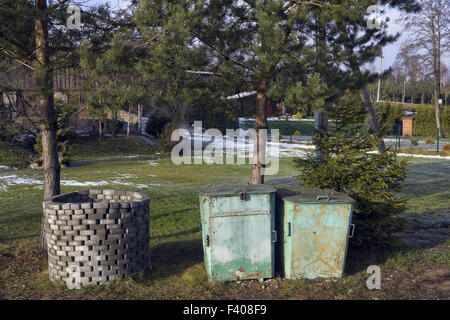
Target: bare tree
445,82
404,65
430,36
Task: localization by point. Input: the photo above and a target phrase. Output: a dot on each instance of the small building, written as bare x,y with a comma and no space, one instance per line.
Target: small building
407,125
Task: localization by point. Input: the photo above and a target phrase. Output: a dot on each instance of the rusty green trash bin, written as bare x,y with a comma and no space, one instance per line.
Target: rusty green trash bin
314,227
238,231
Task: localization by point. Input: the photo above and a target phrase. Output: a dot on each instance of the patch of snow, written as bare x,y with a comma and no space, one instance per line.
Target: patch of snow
202,72
9,180
4,168
241,95
6,181
244,145
131,184
83,184
423,156
151,162
274,119
126,175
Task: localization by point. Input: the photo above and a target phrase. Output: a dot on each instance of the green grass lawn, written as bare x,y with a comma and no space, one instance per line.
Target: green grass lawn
92,148
177,258
13,156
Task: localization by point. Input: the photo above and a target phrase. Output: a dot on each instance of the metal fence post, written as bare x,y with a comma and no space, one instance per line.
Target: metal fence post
289,128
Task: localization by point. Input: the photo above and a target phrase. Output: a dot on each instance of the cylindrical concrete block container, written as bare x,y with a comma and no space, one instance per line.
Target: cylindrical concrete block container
95,236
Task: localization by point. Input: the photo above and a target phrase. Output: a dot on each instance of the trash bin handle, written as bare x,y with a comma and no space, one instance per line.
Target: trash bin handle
289,229
352,231
207,240
323,197
274,235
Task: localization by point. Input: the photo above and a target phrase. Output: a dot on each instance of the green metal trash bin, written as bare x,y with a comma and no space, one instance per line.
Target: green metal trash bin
238,230
313,227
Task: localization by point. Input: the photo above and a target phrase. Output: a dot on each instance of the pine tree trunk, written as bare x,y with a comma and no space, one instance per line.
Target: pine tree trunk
128,121
366,99
100,133
139,120
373,118
48,124
259,152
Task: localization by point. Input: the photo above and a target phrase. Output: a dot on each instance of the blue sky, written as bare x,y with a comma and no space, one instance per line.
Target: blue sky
389,52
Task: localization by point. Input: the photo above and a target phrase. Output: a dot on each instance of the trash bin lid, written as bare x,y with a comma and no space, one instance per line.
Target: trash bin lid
314,196
237,189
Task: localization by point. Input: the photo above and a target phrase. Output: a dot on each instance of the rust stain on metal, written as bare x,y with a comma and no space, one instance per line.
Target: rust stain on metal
242,275
253,275
322,254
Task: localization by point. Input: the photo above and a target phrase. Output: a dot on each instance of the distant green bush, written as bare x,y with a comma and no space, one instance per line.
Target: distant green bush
91,148
414,141
164,143
13,156
425,120
389,114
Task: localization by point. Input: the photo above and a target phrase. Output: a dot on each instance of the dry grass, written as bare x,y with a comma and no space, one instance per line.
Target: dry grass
444,153
429,140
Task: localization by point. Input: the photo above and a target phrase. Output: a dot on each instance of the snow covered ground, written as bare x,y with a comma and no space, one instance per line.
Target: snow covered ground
3,168
273,119
241,146
13,179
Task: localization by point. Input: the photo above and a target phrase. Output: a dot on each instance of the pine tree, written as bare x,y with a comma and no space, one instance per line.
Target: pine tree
34,34
112,83
253,42
346,40
180,73
309,97
348,165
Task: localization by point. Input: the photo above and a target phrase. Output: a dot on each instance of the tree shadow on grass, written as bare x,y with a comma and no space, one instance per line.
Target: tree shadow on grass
23,237
173,258
360,259
171,235
156,216
429,232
